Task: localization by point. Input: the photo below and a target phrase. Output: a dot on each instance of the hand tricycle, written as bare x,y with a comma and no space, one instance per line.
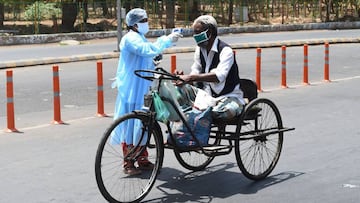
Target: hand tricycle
256,136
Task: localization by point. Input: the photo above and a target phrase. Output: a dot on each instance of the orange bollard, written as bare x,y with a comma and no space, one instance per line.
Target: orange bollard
10,102
100,90
306,67
283,67
173,63
258,69
326,66
56,87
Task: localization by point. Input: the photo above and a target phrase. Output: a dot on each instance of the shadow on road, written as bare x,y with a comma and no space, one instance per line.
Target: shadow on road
214,182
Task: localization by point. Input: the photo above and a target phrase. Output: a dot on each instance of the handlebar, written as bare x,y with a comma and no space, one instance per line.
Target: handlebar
158,73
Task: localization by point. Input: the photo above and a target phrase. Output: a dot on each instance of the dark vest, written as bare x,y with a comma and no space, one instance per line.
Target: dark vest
232,78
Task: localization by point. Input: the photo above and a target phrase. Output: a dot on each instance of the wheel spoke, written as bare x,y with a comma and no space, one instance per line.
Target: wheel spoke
113,183
258,154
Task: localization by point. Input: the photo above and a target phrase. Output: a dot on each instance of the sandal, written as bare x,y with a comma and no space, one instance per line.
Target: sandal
145,164
130,169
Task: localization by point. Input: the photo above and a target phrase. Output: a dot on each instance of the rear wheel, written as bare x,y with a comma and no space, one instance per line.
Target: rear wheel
259,147
195,159
113,183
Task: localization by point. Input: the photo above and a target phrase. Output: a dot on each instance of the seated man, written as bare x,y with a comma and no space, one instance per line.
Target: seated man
215,70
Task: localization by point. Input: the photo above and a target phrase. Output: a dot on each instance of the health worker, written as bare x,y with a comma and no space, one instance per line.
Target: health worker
136,53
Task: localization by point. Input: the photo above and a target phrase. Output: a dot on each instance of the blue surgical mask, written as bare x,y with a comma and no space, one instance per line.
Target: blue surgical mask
201,37
143,28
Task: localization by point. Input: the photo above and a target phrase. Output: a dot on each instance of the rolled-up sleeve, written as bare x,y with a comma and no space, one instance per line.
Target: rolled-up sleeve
196,66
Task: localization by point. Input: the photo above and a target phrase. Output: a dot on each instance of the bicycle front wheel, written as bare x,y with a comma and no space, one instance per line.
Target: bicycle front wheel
115,185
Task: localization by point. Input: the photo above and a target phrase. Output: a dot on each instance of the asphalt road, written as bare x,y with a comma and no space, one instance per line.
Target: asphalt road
319,161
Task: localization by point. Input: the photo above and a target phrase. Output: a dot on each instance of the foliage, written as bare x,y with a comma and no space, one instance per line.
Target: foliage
41,11
100,15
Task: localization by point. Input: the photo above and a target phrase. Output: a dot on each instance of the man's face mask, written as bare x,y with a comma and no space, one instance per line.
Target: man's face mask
201,38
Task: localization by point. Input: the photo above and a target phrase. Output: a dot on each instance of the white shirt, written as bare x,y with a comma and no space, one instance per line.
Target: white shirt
226,60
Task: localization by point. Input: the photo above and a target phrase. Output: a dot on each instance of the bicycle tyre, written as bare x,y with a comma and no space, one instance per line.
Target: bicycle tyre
257,155
113,183
195,160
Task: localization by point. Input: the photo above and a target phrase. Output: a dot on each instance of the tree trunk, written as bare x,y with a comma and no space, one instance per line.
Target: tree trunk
282,13
231,10
194,10
126,4
170,11
69,13
320,11
86,11
1,15
105,8
328,7
160,13
130,4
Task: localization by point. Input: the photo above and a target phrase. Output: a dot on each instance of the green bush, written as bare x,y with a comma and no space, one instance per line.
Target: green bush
41,11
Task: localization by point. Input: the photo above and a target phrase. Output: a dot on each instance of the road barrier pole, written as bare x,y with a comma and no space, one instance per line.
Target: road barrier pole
326,66
100,90
56,88
10,102
306,66
258,69
283,67
173,63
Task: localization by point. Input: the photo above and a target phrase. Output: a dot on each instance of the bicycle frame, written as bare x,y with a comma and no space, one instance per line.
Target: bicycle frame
148,101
